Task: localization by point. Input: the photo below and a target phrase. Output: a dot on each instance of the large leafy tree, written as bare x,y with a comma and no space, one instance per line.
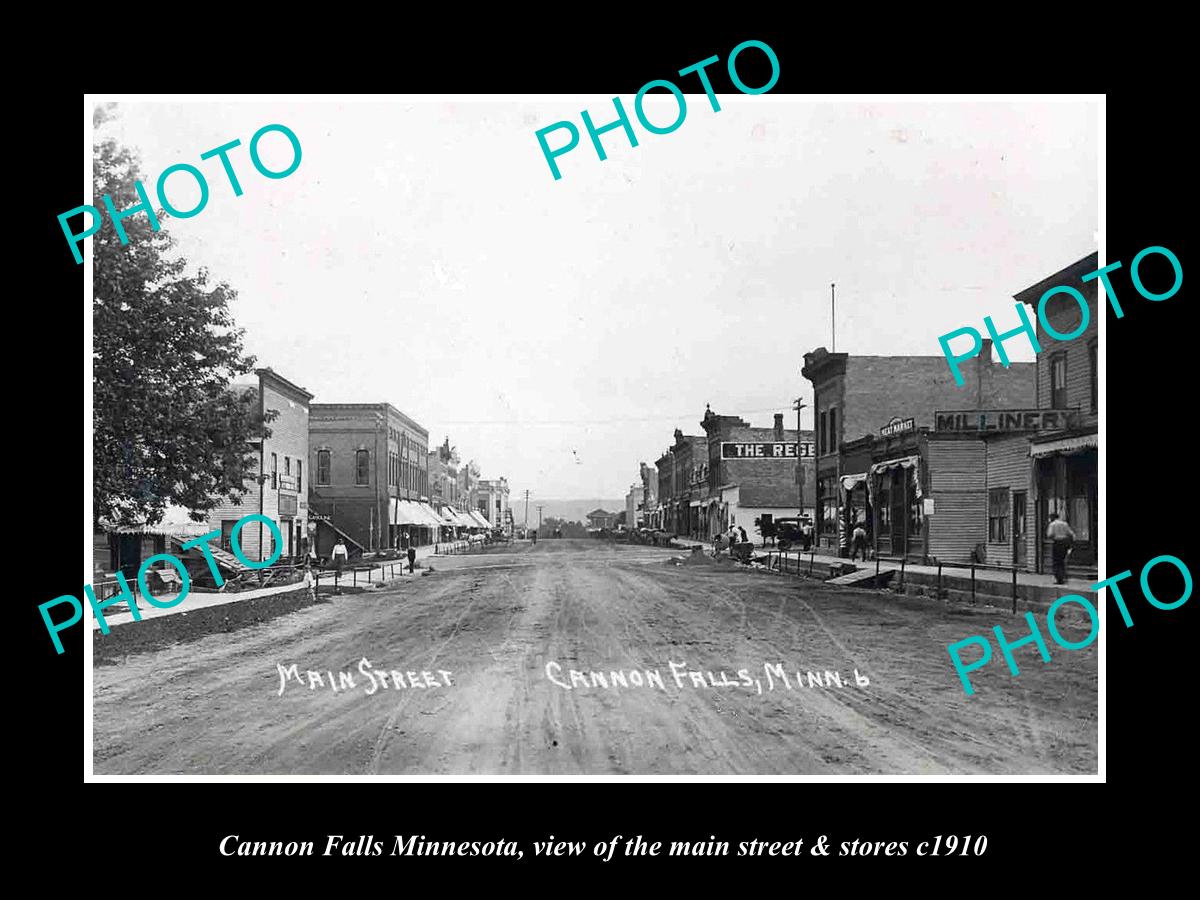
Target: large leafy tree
167,426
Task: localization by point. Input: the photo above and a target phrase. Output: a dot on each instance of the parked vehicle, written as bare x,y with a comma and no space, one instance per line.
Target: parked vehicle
789,532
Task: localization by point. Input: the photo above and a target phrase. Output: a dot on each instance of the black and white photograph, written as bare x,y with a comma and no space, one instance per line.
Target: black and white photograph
529,436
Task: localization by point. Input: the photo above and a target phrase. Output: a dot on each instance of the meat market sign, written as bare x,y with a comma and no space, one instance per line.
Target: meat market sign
1007,419
732,450
898,426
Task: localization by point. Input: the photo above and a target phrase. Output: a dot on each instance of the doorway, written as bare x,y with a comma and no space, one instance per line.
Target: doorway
899,498
1019,529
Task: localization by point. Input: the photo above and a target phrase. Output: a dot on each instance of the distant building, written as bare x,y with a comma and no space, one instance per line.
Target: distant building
689,455
650,515
633,505
665,468
752,473
491,500
602,518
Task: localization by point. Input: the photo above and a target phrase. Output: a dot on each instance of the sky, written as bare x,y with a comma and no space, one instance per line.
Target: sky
559,331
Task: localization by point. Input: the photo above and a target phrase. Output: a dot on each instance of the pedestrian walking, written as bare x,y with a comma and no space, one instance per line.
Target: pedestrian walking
412,558
1063,537
340,555
742,532
859,542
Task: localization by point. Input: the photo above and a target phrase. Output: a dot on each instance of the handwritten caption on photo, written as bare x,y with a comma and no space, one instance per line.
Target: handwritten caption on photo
1035,636
185,581
622,120
117,216
773,674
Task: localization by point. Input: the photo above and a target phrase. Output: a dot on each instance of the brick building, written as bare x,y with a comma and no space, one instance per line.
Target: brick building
277,485
664,468
370,477
873,417
752,473
689,479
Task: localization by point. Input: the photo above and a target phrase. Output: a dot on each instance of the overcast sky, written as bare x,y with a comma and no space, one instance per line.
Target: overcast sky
559,331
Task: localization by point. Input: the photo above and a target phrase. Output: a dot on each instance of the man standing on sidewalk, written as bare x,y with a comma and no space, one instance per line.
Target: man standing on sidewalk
412,557
1061,534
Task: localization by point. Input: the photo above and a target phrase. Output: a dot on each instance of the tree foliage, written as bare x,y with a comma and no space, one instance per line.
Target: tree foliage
167,427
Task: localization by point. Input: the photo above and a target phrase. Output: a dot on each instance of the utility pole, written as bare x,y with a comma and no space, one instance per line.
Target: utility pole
539,517
833,315
527,509
799,459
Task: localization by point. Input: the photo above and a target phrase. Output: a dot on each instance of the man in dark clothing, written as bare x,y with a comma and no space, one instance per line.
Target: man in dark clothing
412,557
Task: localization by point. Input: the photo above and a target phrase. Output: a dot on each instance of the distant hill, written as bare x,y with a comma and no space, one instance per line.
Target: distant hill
571,510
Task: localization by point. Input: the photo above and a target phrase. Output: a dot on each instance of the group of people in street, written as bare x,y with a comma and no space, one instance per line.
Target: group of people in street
340,556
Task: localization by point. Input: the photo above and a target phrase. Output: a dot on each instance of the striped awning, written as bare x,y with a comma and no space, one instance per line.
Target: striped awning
432,519
1075,444
849,482
175,522
406,512
480,520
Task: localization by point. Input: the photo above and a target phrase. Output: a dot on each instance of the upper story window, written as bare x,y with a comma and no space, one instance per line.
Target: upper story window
362,467
274,470
833,432
1058,381
323,466
299,475
821,433
287,465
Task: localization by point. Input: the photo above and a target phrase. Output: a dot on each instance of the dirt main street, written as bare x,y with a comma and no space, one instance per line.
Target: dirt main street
494,621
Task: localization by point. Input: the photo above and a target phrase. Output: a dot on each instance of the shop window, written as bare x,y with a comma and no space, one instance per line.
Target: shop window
998,515
829,505
1092,360
323,465
1078,518
916,509
362,467
274,470
227,534
1058,381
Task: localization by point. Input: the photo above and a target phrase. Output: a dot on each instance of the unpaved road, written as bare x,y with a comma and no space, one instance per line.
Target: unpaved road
495,620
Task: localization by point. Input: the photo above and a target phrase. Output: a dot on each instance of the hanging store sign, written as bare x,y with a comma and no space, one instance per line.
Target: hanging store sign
1007,419
732,450
898,426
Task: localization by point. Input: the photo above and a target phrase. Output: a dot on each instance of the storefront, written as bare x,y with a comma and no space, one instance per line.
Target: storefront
899,509
1066,483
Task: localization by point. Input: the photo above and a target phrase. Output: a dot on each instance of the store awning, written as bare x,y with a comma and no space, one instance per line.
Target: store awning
1076,444
432,519
850,482
405,512
904,462
175,522
480,520
694,503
